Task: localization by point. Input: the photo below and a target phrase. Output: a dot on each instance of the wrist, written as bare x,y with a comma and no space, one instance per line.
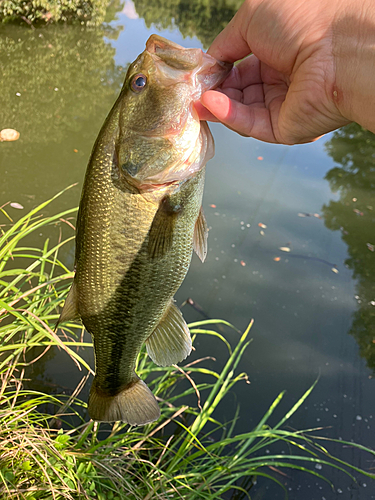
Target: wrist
354,55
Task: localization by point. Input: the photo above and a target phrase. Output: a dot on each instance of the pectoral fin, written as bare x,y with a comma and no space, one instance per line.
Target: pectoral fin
170,342
70,309
162,228
200,236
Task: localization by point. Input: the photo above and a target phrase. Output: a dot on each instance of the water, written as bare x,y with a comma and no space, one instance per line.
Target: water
314,306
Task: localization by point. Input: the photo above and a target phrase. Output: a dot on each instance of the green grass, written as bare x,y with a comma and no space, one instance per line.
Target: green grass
187,454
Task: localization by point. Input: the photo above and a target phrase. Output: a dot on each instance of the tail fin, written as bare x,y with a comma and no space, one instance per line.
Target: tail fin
135,405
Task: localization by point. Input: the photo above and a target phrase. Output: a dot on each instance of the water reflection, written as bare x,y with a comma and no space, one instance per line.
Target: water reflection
201,18
57,84
354,215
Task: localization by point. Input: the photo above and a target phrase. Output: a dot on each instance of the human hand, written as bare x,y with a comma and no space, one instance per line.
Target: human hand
295,85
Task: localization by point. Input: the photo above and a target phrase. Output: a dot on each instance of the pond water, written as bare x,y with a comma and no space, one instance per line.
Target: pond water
313,306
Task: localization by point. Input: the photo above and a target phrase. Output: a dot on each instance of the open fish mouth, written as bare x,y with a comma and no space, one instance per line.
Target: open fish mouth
166,142
204,70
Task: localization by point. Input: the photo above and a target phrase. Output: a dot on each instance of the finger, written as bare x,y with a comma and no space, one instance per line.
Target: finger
204,113
250,95
230,45
245,73
250,121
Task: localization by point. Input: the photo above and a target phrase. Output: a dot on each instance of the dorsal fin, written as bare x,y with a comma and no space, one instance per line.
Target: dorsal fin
170,342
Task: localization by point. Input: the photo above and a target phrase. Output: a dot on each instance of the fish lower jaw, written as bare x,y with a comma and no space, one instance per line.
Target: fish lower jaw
149,187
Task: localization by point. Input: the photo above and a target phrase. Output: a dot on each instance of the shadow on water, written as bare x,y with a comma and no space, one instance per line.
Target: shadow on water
354,215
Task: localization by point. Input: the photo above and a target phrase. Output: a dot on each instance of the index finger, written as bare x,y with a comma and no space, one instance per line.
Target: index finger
230,45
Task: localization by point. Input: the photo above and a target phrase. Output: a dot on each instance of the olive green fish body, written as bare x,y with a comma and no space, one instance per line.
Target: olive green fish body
123,289
140,218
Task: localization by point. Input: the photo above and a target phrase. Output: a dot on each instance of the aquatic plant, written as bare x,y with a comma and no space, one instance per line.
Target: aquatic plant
187,454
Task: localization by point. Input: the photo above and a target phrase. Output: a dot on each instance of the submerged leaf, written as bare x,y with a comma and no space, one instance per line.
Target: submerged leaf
9,134
17,205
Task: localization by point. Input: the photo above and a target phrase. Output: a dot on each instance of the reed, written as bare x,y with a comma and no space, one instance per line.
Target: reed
187,454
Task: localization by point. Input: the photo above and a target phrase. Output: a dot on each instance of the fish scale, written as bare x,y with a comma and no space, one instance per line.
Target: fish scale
133,307
140,218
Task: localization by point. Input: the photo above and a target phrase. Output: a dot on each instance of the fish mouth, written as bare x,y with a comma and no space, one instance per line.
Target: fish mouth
213,72
205,71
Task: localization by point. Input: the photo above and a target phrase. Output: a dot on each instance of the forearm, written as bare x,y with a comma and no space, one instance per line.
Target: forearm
354,55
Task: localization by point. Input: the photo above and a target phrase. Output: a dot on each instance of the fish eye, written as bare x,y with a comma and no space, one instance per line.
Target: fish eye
138,82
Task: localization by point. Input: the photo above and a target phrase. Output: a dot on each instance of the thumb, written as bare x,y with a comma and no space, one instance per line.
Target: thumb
248,120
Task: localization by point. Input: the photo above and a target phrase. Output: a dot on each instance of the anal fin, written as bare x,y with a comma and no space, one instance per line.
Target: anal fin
200,236
70,309
170,342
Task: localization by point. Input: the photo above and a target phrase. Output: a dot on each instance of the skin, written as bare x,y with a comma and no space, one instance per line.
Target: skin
311,69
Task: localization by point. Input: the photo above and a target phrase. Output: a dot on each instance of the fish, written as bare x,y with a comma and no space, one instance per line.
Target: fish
140,218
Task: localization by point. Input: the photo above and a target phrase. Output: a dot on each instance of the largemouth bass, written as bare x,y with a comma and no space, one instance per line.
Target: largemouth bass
139,219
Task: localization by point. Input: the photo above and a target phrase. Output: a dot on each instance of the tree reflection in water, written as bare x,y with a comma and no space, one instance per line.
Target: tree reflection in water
201,18
354,215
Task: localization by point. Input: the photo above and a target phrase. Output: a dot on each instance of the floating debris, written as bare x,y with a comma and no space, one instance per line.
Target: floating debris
358,212
334,270
370,247
263,226
260,158
75,150
284,249
262,232
354,199
276,259
306,214
16,205
213,206
243,263
9,134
